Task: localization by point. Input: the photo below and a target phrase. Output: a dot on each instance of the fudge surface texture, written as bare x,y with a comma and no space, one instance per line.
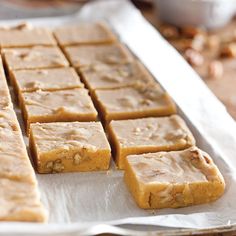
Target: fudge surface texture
173,179
137,136
69,147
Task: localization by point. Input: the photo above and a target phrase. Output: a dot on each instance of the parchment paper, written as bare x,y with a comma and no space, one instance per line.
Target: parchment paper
80,200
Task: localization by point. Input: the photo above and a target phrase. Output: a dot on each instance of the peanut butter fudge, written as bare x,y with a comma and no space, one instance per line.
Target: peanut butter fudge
87,55
37,57
19,195
15,163
46,79
139,101
5,99
69,147
25,36
148,135
55,106
20,202
173,179
84,33
103,76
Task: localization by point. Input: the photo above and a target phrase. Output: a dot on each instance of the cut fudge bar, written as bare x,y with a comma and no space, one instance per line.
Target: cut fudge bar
15,163
37,57
45,79
25,36
103,76
139,101
148,135
5,99
88,55
20,201
173,179
69,146
84,33
65,105
19,194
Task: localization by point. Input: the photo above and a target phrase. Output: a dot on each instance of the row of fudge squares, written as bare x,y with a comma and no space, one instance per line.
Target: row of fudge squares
155,178
39,57
19,192
76,105
24,35
83,146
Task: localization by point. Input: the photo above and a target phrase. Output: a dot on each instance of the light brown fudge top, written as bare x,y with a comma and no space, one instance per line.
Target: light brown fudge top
47,79
69,135
102,76
20,202
37,57
25,36
3,81
137,98
87,55
5,99
14,161
74,101
8,119
84,33
177,167
163,131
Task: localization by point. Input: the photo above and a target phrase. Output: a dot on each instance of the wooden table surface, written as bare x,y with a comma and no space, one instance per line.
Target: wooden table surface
223,87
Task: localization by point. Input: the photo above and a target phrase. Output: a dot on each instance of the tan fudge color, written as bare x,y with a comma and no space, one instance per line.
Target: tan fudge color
14,161
20,202
45,79
148,135
69,147
88,55
103,76
19,194
173,179
5,99
55,106
37,57
84,33
139,101
25,36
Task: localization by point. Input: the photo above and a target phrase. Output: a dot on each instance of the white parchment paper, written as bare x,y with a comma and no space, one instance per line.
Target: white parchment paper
90,202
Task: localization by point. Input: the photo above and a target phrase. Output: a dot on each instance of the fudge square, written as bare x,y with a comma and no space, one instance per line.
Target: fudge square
55,106
103,76
148,135
69,147
139,101
25,36
45,79
37,57
84,33
173,179
86,55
